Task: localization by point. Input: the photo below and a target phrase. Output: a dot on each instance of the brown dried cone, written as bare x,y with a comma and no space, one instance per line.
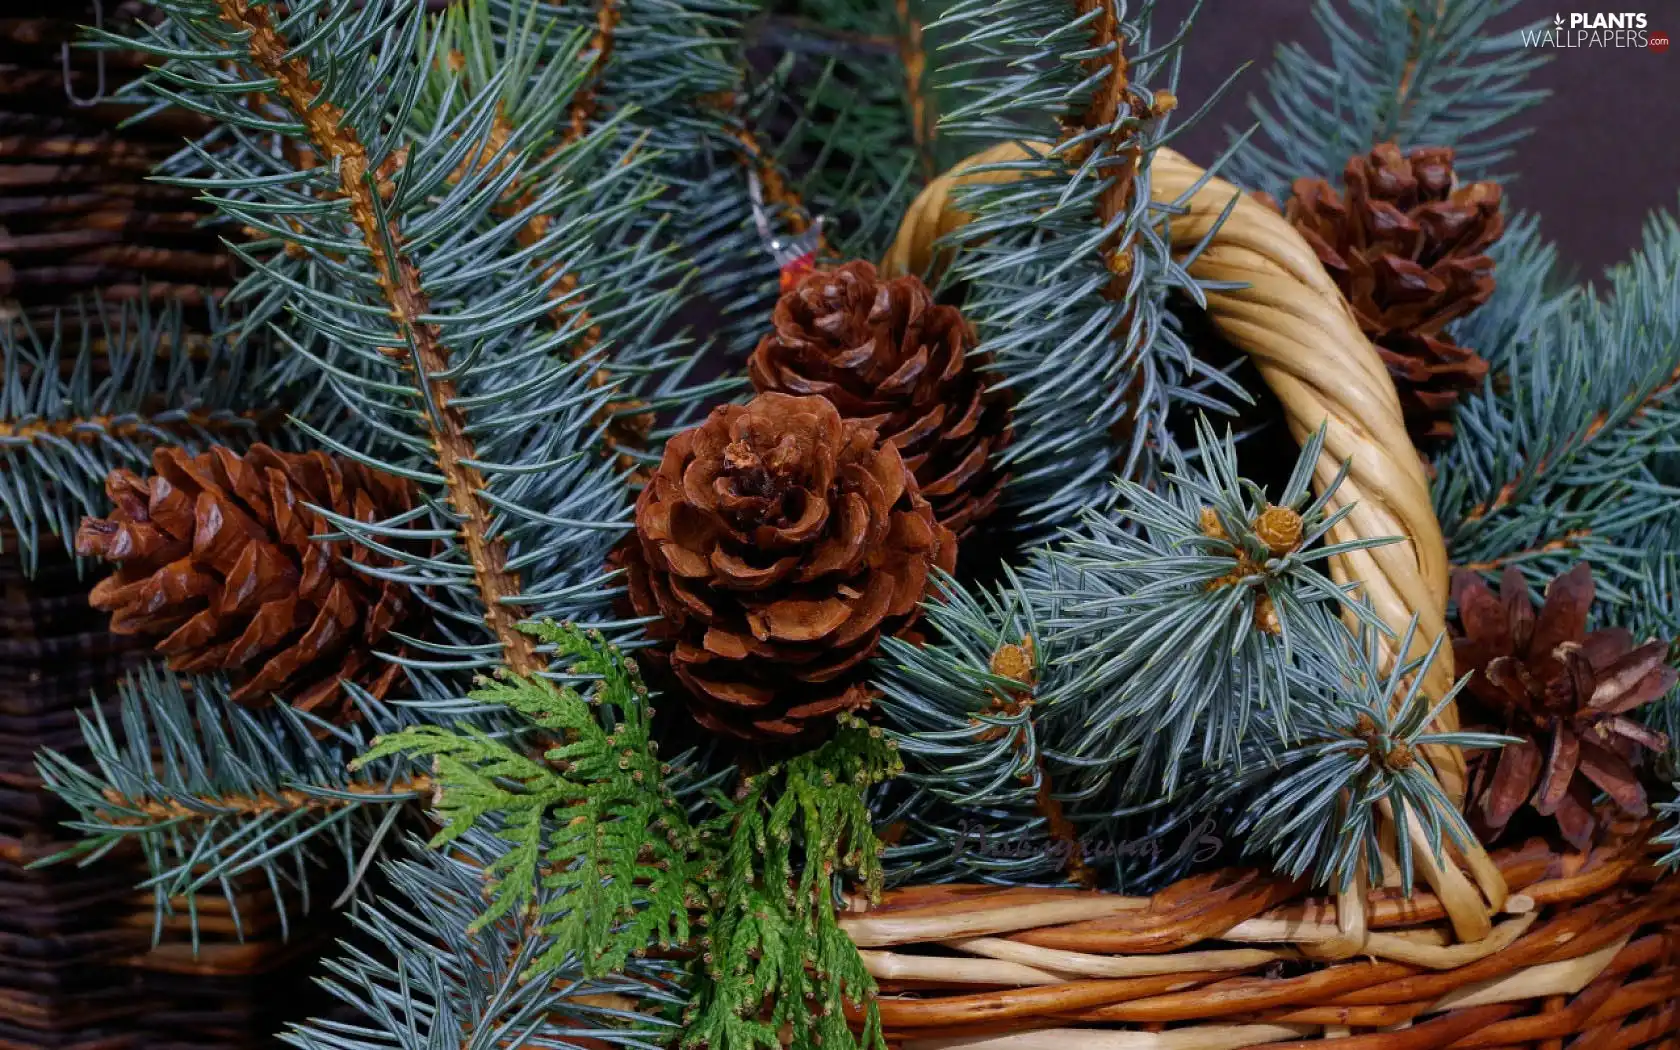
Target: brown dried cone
1564,692
1406,247
214,554
777,543
886,354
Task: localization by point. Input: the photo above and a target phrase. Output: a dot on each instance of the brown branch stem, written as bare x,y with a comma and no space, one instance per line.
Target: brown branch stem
776,190
1568,541
621,420
290,800
1019,663
912,55
91,429
1102,112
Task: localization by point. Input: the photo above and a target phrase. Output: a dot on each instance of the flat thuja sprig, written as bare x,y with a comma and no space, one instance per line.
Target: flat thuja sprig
1187,607
1316,803
775,958
592,820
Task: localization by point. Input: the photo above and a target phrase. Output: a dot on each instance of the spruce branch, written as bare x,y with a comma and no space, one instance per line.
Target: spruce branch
213,791
420,347
1564,458
478,51
845,97
434,327
432,978
1065,261
963,711
100,389
1191,608
1314,801
1418,72
1669,835
1165,639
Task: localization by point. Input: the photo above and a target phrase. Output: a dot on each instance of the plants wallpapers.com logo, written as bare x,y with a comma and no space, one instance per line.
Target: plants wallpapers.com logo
1598,29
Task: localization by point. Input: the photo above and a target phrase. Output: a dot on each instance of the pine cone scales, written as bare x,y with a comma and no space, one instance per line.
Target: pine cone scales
1565,693
776,543
214,554
886,354
1407,250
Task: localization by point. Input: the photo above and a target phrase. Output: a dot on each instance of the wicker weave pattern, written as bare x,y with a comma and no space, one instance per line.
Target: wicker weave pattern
1588,950
76,212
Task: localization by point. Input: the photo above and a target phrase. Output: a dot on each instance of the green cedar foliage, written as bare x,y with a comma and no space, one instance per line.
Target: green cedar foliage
590,818
774,957
610,863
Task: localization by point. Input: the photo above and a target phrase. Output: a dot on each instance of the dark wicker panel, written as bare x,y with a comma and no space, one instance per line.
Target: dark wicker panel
76,214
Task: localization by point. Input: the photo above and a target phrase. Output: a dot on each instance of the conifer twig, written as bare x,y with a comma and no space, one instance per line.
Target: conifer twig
423,352
1017,662
924,120
1102,114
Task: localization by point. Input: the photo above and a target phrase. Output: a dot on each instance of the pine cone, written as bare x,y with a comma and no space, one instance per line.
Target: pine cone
214,554
886,354
1406,249
777,543
1546,680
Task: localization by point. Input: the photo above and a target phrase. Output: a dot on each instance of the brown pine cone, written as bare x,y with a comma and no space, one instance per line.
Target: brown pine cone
1407,250
214,554
777,543
886,354
1564,692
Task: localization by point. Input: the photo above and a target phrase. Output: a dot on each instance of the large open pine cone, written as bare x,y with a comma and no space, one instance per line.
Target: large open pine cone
1407,249
886,354
1564,693
777,543
214,554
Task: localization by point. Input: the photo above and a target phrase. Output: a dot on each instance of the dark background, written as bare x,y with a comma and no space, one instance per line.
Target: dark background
1605,149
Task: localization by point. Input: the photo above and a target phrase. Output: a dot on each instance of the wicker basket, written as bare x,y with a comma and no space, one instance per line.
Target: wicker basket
78,969
1529,948
77,214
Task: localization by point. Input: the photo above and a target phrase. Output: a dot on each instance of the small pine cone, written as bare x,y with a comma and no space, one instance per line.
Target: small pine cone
886,354
1569,695
1279,528
776,544
1406,246
214,554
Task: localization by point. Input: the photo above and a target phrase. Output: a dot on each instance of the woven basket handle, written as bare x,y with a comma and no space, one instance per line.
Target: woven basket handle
1290,317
